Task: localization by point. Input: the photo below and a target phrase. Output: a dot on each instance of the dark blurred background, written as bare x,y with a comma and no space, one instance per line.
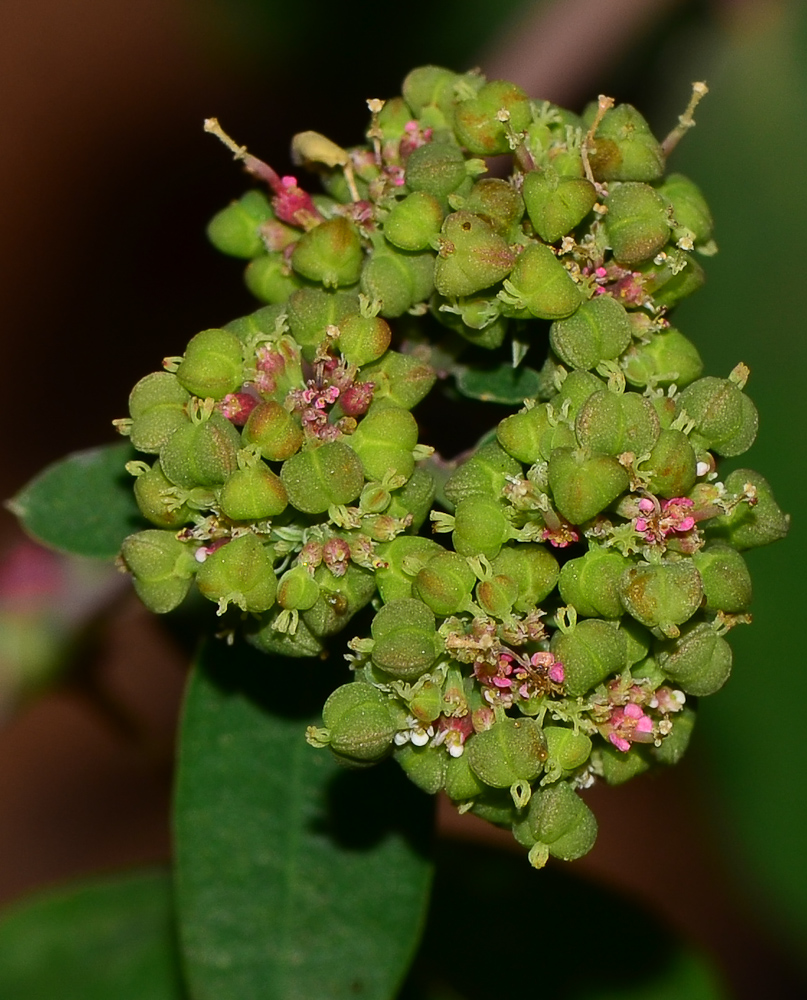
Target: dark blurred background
109,181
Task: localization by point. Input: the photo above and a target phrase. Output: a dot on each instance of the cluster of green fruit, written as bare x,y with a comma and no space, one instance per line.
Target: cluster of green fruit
595,563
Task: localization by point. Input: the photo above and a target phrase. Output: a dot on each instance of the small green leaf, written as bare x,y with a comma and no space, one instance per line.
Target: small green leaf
83,504
295,878
503,384
93,941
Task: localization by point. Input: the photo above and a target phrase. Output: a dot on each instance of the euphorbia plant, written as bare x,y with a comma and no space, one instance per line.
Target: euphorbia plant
536,614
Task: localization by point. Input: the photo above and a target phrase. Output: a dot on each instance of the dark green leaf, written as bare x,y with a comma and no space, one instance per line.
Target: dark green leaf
93,941
296,879
83,504
503,384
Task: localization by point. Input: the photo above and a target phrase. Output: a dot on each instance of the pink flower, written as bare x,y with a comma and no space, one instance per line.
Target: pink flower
628,725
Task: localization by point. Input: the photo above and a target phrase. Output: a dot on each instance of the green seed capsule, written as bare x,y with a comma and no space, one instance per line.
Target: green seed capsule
577,387
413,223
384,441
363,338
747,527
213,365
157,406
414,498
618,767
480,526
406,652
567,750
241,573
253,494
274,431
725,577
512,750
472,256
445,583
589,652
591,583
599,331
400,379
297,590
559,823
405,556
583,483
674,745
152,496
203,454
484,473
318,478
542,285
162,568
478,122
662,595
531,435
427,85
534,569
497,595
689,208
461,784
397,279
312,310
330,253
699,661
499,204
436,168
672,465
270,279
614,423
339,599
556,204
409,613
668,357
636,225
726,420
624,148
393,119
494,805
261,633
426,766
671,277
235,230
360,723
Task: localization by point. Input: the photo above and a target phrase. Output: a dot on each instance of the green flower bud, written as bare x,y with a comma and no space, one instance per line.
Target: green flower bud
583,484
689,208
319,478
624,148
497,595
472,256
241,573
484,123
162,568
530,435
253,494
480,526
725,577
393,119
534,569
270,279
499,204
672,465
512,750
414,498
668,357
599,331
339,599
400,378
618,767
567,750
556,204
748,526
297,590
675,743
312,310
636,224
330,253
157,406
151,490
591,583
589,652
726,420
445,583
485,472
396,279
699,661
360,724
426,766
662,595
201,454
614,423
405,556
235,230
413,223
427,85
540,284
461,784
213,365
384,441
558,823
275,431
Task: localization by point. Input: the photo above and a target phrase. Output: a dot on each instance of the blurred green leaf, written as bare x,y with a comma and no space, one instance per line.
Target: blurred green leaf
296,879
502,384
83,504
93,941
